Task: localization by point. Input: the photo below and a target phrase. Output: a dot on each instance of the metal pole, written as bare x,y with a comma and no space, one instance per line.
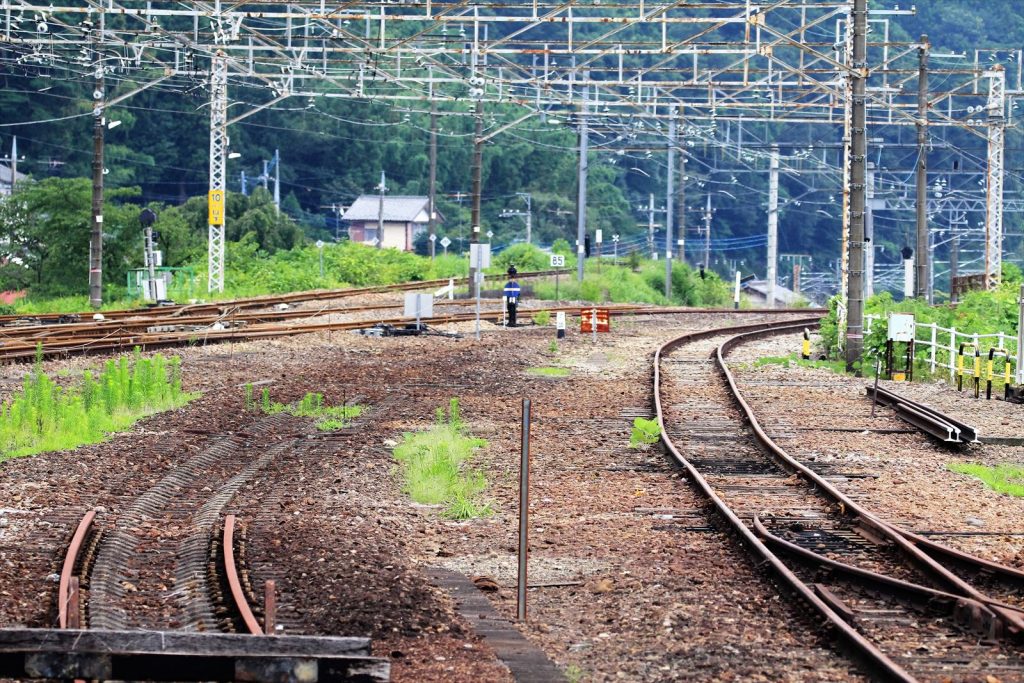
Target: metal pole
994,184
477,172
650,224
670,174
707,232
96,235
432,203
954,264
382,188
773,224
581,198
736,293
923,257
218,165
14,161
524,514
150,263
681,204
277,180
858,172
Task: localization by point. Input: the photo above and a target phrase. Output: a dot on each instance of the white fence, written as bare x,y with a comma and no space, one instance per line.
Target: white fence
944,344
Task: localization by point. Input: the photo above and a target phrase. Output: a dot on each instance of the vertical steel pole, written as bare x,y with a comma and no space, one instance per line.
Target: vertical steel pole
524,514
218,164
994,185
432,203
922,256
707,232
650,224
858,182
773,224
670,200
478,163
581,196
382,188
96,234
681,201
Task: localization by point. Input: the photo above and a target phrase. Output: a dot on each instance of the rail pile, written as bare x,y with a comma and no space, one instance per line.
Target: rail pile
925,418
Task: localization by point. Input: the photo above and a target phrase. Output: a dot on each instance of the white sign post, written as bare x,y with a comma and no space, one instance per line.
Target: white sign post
320,246
736,294
615,246
445,242
479,258
560,324
557,261
419,306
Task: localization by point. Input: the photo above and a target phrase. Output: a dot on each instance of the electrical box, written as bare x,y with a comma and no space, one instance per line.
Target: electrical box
161,289
901,327
158,258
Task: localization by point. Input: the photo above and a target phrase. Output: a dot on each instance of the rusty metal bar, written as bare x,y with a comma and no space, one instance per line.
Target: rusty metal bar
269,608
64,589
234,583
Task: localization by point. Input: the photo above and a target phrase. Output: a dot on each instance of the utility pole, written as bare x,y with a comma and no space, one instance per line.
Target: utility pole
528,198
681,204
994,184
14,162
277,180
923,255
650,225
581,196
954,260
773,223
707,232
96,235
382,188
858,181
432,199
869,235
670,200
477,171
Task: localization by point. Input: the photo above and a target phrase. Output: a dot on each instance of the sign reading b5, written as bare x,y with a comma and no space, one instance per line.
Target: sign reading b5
216,207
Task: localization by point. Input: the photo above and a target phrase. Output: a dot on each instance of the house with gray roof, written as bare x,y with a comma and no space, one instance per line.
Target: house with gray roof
404,219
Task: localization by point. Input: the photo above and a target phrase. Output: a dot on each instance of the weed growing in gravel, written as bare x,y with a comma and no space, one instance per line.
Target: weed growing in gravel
44,416
1001,478
645,433
791,360
549,372
435,468
542,318
553,346
328,418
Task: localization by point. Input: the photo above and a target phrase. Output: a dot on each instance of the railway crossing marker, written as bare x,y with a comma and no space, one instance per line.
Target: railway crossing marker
445,242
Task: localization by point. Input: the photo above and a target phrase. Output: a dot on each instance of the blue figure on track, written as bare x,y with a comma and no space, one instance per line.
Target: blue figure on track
512,295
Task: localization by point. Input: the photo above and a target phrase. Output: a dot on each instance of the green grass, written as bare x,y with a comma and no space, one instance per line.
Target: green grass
793,361
549,372
435,467
1007,479
44,416
542,318
328,418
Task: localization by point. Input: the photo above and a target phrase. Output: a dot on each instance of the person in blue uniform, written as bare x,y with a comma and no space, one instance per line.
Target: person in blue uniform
511,293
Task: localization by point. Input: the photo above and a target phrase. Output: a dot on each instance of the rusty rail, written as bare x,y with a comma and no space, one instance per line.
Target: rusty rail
235,584
66,591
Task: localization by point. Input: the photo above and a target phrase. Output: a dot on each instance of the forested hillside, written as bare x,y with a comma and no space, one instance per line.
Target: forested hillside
332,150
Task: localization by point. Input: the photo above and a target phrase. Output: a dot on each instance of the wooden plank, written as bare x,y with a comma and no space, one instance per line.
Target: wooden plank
176,642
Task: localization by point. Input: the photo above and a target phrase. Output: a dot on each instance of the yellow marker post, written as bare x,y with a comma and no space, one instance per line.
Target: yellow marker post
216,207
805,351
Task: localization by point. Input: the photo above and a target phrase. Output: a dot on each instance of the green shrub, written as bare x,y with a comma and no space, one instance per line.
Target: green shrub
328,418
542,318
645,433
44,416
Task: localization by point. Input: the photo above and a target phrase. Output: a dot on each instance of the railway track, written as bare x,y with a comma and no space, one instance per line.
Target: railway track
908,608
168,565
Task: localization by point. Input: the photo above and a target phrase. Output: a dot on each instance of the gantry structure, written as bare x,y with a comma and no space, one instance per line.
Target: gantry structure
657,67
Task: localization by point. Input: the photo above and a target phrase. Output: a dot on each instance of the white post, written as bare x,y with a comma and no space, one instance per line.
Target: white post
952,352
935,343
736,293
773,224
908,278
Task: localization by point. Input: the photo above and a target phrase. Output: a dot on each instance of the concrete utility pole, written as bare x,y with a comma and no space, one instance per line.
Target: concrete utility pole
858,181
581,197
277,180
650,225
432,192
477,171
869,235
707,232
954,260
773,224
681,204
994,185
923,254
382,188
14,162
96,234
670,200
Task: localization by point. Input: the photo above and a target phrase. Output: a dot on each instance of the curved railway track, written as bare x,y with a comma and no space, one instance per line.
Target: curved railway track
888,595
